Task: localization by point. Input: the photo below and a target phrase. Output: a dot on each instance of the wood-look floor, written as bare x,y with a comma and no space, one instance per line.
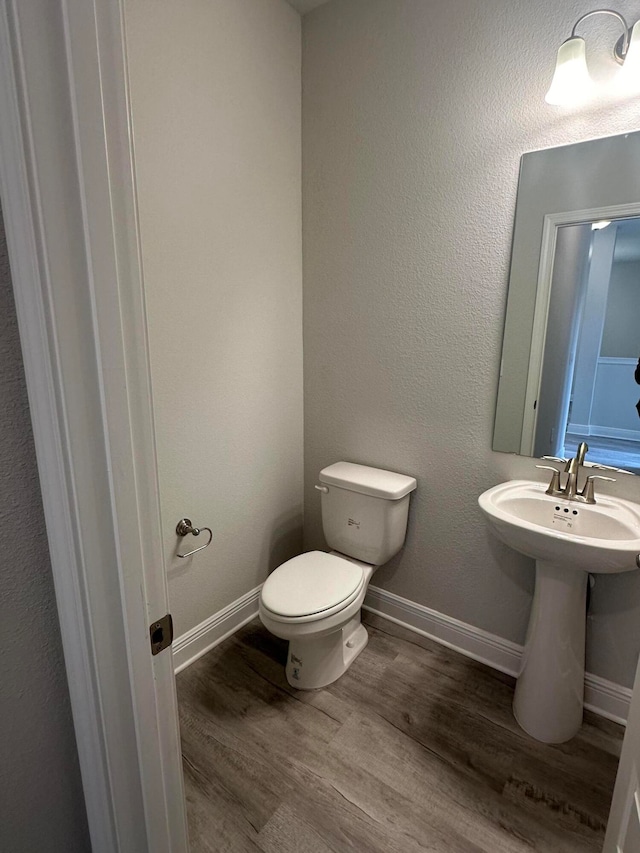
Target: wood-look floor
413,749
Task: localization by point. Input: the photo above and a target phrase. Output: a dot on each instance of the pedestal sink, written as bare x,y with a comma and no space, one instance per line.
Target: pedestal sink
567,540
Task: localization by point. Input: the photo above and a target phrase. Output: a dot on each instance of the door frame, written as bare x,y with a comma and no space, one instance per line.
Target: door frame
627,782
551,223
73,243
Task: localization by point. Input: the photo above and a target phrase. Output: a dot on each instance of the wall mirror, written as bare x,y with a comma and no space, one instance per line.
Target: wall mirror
572,329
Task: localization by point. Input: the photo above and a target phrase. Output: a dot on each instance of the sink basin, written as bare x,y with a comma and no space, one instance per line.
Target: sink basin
567,539
601,537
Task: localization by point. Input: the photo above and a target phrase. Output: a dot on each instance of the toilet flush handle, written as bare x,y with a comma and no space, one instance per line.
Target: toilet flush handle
323,489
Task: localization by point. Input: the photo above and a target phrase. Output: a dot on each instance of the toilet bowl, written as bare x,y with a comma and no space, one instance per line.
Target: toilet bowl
321,622
314,600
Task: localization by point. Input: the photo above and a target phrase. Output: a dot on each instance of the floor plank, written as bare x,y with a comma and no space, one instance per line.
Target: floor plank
414,749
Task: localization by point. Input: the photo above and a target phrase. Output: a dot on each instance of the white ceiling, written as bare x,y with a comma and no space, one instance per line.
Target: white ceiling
303,6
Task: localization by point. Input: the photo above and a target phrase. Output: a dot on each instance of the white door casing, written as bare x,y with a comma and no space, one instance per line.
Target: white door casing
67,183
623,829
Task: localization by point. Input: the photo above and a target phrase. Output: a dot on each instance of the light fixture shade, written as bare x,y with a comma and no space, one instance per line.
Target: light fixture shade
571,81
628,78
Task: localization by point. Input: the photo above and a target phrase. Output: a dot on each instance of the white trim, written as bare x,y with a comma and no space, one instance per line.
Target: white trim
199,640
80,310
538,335
23,226
599,431
601,696
473,642
592,214
606,698
626,794
611,359
98,88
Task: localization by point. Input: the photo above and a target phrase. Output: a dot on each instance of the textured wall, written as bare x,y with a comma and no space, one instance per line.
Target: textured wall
216,112
415,115
40,788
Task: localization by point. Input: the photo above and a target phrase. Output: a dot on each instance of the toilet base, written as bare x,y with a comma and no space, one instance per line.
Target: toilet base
320,661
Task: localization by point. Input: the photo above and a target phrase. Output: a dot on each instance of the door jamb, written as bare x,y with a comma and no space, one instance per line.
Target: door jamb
107,574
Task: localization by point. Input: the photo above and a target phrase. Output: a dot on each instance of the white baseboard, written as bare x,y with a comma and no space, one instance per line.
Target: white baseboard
601,696
606,698
205,636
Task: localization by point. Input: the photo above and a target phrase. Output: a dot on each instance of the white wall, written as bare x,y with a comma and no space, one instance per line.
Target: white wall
216,100
41,790
621,333
615,394
415,115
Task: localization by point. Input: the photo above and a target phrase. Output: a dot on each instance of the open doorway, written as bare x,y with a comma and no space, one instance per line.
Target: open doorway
589,390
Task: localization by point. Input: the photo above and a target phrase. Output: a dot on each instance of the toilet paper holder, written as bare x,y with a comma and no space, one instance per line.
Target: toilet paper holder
184,527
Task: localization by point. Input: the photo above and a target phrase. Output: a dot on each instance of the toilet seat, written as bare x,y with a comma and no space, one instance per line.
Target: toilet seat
311,586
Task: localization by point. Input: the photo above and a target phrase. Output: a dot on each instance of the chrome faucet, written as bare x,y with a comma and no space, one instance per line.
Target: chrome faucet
569,491
582,452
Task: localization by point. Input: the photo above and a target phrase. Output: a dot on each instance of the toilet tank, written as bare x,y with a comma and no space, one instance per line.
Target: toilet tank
365,510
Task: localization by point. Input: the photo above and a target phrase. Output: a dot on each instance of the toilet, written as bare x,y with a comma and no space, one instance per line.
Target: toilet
314,600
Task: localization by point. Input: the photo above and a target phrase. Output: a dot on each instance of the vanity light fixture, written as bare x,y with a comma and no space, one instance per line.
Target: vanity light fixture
572,82
602,223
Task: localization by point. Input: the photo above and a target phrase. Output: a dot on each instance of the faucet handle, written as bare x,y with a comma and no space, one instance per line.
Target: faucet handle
553,459
554,485
600,467
588,492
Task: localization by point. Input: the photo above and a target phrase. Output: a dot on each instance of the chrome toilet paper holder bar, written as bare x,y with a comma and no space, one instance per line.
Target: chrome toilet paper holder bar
184,527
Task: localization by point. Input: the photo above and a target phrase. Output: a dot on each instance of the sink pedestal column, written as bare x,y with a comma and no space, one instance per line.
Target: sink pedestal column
549,694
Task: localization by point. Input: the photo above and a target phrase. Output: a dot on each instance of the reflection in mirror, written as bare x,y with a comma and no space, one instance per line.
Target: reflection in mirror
572,331
588,390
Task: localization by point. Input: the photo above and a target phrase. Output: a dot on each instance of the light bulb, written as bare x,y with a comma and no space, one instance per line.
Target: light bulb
571,82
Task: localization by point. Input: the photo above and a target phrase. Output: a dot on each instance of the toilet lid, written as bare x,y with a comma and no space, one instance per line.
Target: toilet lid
311,583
